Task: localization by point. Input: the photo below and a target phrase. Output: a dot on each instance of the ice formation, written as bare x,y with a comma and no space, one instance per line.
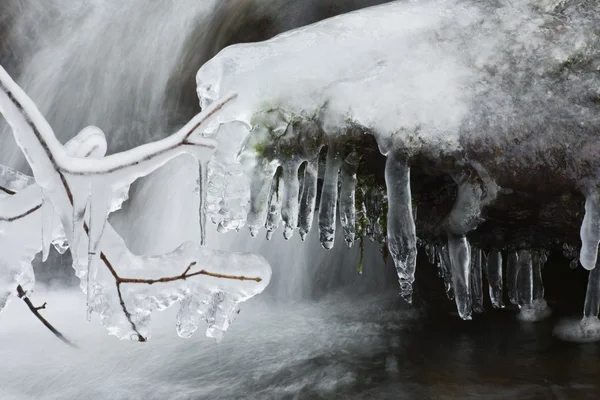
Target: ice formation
463,87
75,188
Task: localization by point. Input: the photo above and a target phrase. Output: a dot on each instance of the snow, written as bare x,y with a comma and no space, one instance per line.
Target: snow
80,186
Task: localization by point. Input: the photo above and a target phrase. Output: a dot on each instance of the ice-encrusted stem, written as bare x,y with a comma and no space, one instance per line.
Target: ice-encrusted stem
494,276
512,270
309,197
402,238
260,189
460,260
348,197
592,295
289,208
329,196
524,290
590,230
476,280
274,215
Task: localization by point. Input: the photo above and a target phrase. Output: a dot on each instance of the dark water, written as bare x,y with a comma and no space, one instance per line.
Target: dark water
343,345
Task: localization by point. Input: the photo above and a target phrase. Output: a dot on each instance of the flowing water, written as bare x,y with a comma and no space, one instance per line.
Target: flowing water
319,331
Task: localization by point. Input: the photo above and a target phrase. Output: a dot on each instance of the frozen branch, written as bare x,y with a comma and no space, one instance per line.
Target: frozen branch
81,190
35,310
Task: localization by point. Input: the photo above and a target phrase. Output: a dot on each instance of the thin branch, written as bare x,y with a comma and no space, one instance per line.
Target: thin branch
7,191
22,215
185,275
35,310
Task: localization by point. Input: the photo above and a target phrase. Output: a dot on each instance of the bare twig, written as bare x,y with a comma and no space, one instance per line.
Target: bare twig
7,191
35,310
22,215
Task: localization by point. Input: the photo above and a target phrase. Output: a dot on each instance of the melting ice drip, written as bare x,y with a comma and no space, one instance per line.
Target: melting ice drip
329,85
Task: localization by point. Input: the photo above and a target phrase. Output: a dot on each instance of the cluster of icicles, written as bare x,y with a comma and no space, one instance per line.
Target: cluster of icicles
283,189
523,281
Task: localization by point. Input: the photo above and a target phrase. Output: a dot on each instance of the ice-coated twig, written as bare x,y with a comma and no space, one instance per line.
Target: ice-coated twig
67,181
401,231
35,311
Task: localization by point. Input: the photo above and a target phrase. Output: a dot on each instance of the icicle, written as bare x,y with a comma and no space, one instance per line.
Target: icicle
309,197
260,189
494,276
590,231
537,258
512,269
203,192
348,197
402,238
81,196
446,270
592,295
524,279
99,205
47,226
329,195
289,209
460,260
476,283
301,173
274,216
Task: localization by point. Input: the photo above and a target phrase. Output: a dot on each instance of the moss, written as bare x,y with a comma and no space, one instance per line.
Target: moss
362,255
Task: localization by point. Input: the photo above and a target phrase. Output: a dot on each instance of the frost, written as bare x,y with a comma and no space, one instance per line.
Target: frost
122,288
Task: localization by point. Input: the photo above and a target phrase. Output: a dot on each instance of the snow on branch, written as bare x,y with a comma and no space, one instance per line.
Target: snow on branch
75,189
